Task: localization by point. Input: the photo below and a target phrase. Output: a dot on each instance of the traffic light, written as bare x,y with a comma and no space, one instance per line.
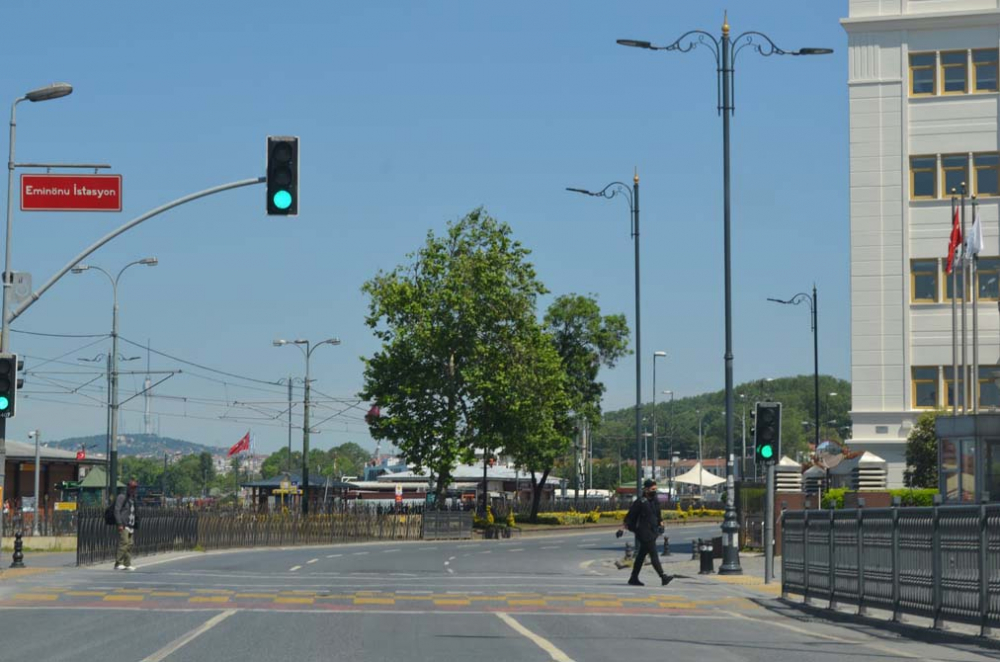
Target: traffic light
282,175
8,384
767,438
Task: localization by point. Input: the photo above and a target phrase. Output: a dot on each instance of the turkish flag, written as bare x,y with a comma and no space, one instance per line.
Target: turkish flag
81,455
240,446
373,414
954,242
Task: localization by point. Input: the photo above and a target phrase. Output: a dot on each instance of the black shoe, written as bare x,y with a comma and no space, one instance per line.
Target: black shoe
635,582
666,579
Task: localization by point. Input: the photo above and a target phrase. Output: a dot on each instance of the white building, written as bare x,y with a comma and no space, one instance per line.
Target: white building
923,96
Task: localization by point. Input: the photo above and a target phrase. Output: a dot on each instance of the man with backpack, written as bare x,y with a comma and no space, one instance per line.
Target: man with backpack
646,522
126,515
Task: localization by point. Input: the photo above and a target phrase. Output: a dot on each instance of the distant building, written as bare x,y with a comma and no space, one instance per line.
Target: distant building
57,466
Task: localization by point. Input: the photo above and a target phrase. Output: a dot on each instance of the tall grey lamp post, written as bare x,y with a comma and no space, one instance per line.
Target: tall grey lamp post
113,404
725,51
656,355
53,91
307,349
631,196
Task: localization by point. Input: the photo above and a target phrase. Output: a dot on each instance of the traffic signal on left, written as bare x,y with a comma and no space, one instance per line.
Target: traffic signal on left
8,384
282,175
767,432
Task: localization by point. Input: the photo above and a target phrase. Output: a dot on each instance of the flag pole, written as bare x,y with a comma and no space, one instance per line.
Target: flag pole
974,268
954,319
965,339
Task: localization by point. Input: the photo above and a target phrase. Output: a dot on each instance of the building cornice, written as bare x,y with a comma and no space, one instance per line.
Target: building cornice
937,20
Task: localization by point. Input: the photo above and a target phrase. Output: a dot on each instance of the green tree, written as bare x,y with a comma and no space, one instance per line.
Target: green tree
207,466
606,474
349,459
446,322
922,453
276,462
145,470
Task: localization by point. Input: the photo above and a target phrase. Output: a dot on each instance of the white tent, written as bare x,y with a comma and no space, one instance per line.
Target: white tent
699,476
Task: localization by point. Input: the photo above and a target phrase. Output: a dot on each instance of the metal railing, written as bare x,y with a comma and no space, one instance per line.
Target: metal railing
942,562
50,523
179,529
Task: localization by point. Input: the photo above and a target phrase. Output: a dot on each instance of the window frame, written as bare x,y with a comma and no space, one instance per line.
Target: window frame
914,383
948,404
963,281
943,67
932,67
934,170
979,272
976,168
937,280
974,88
985,380
944,172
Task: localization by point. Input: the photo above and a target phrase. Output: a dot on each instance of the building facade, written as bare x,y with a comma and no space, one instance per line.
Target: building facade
923,95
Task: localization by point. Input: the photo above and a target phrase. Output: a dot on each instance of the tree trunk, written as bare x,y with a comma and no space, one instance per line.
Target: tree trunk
536,492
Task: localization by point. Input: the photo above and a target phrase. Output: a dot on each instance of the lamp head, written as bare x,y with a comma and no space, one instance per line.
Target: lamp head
80,268
660,354
278,342
149,261
634,43
813,51
53,91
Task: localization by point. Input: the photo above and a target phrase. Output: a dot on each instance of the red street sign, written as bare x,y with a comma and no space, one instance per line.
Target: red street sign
71,192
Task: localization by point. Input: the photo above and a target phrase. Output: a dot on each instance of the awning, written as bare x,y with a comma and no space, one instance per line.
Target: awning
699,476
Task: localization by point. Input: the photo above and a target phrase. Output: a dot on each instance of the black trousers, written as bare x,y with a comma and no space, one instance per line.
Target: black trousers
646,548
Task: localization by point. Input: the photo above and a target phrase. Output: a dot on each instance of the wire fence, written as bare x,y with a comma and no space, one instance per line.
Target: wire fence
179,529
941,562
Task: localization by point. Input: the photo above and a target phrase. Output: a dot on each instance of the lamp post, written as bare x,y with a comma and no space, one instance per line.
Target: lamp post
725,51
632,197
53,91
38,461
307,349
656,355
289,381
794,301
113,403
670,435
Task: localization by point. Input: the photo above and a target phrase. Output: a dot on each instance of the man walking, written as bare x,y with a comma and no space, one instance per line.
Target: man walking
127,520
646,522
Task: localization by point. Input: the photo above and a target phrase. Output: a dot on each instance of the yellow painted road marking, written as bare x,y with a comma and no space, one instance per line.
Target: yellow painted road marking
374,601
85,594
295,601
36,596
245,596
169,594
124,598
601,603
452,603
526,603
210,598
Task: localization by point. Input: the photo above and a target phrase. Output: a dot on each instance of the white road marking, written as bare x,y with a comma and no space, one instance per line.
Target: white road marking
447,562
554,653
389,551
551,547
450,571
451,558
359,553
487,552
185,639
519,549
333,556
294,568
311,561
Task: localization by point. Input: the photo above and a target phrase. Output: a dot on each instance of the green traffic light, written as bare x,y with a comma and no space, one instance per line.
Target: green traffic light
767,452
4,403
282,199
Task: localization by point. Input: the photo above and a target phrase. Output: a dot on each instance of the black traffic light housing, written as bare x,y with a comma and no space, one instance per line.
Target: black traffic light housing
8,384
282,175
767,432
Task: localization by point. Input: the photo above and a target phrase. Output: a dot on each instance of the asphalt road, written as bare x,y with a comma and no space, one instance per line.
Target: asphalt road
546,598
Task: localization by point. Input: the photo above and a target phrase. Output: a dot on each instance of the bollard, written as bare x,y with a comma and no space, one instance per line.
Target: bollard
705,551
695,544
628,550
18,552
666,546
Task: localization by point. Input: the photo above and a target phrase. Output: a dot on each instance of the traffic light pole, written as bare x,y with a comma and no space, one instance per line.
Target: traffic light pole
769,525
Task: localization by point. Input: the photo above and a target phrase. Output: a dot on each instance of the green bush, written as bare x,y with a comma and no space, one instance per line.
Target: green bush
918,497
834,498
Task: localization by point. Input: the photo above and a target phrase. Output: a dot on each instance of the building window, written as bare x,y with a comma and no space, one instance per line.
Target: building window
923,177
954,172
989,394
924,281
956,272
987,173
925,387
988,278
922,74
984,70
949,389
954,72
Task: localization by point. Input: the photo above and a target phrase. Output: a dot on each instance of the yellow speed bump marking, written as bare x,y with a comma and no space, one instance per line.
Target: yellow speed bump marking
85,594
253,596
169,594
601,603
526,603
36,596
294,601
124,598
374,601
452,603
210,598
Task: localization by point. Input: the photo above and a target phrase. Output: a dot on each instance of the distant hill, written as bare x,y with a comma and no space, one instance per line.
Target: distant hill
138,445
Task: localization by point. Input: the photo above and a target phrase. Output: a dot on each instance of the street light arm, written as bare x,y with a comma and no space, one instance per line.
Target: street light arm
130,264
759,42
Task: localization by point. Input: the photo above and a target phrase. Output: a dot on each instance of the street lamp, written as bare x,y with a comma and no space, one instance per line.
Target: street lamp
794,301
725,51
113,364
670,433
632,197
38,460
656,355
307,348
53,91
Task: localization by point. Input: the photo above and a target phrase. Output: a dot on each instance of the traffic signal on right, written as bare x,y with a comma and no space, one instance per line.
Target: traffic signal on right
767,438
282,175
8,384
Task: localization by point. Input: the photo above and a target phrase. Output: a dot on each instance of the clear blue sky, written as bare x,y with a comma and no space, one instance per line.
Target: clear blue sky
410,115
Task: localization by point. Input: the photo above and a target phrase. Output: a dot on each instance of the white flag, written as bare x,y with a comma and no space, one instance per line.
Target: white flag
975,239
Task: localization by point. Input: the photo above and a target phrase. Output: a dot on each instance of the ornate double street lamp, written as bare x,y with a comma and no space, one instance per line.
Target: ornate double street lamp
726,49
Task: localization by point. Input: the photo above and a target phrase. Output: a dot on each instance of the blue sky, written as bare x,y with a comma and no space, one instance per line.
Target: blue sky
410,115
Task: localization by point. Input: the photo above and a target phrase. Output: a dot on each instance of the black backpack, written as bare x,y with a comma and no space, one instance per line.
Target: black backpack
109,514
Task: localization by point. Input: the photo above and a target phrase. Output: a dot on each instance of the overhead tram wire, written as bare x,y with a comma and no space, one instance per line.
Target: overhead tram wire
198,365
61,335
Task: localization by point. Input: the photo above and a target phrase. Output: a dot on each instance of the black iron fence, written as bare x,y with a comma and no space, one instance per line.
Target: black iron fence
50,523
941,562
179,529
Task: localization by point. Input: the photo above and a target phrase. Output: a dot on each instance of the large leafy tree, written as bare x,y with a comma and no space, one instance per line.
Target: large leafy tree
449,322
922,453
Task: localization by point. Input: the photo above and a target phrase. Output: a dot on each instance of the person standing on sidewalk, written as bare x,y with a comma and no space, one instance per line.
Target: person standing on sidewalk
646,522
127,520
